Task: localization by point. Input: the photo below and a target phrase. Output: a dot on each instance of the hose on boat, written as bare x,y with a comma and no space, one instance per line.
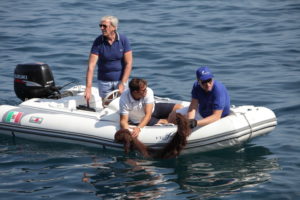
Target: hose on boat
76,82
56,94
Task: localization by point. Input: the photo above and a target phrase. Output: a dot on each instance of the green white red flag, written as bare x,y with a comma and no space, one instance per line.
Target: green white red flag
14,117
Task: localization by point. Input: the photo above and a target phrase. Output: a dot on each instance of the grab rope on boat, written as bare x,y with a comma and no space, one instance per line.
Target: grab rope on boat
251,130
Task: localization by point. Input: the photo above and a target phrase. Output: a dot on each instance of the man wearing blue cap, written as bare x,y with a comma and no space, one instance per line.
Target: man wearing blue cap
209,97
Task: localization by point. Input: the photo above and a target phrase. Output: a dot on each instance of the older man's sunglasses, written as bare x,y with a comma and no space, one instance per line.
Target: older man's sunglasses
103,25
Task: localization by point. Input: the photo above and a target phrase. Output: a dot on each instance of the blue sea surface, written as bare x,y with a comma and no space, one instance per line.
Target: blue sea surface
253,47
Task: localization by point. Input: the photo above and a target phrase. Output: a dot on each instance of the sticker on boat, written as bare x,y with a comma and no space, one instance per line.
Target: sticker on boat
36,120
13,117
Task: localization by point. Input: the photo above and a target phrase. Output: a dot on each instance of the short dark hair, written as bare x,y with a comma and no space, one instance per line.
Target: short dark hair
136,83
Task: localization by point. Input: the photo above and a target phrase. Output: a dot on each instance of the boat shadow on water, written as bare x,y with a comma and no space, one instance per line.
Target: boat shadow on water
212,174
114,175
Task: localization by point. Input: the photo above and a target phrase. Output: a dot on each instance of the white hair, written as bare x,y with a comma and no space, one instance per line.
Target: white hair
113,20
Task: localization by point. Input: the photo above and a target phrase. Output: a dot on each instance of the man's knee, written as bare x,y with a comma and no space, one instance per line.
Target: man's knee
177,106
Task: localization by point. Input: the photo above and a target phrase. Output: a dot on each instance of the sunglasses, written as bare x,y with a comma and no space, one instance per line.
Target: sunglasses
142,91
104,26
204,82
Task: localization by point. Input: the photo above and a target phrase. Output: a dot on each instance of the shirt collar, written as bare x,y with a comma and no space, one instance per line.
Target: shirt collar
131,99
117,37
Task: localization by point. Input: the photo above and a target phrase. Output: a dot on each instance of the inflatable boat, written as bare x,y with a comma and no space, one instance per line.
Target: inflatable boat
53,114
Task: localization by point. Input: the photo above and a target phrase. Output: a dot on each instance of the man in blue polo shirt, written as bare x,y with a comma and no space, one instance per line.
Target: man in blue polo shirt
113,54
209,97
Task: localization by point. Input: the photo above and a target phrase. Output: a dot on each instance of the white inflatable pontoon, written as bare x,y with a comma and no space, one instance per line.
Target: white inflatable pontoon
65,119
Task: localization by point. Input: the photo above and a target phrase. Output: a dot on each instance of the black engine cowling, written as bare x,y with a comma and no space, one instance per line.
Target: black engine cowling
33,81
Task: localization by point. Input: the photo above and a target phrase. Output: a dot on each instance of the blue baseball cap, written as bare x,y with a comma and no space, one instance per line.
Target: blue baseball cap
204,73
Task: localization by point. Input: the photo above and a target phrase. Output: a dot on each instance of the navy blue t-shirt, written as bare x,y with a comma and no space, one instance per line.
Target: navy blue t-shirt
217,99
110,63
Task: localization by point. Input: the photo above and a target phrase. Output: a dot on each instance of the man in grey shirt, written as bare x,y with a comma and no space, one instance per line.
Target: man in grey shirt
137,107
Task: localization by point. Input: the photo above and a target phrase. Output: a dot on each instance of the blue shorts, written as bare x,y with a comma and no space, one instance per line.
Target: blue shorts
106,87
161,111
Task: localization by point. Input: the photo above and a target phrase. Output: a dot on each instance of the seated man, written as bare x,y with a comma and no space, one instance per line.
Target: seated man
137,106
209,97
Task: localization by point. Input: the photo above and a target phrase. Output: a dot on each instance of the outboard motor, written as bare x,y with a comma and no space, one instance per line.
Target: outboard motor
34,81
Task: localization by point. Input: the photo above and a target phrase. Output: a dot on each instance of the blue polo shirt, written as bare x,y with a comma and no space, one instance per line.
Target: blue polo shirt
217,99
110,63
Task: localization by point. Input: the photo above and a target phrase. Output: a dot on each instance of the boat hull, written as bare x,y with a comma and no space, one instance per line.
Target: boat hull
61,121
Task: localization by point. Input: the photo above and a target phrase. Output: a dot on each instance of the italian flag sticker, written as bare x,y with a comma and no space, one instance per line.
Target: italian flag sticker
14,117
36,120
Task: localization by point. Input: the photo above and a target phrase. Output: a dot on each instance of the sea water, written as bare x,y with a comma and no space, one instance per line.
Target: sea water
253,47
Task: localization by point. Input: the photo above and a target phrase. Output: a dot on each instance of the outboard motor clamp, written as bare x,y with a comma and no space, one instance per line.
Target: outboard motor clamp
33,81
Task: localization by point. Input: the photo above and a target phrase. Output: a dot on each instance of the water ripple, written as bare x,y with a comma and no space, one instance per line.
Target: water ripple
252,47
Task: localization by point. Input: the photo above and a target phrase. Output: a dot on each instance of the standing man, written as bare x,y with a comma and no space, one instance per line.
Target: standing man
137,107
113,54
209,97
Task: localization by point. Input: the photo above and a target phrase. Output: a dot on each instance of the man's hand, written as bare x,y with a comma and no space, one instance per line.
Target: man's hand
87,94
121,87
136,131
192,123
